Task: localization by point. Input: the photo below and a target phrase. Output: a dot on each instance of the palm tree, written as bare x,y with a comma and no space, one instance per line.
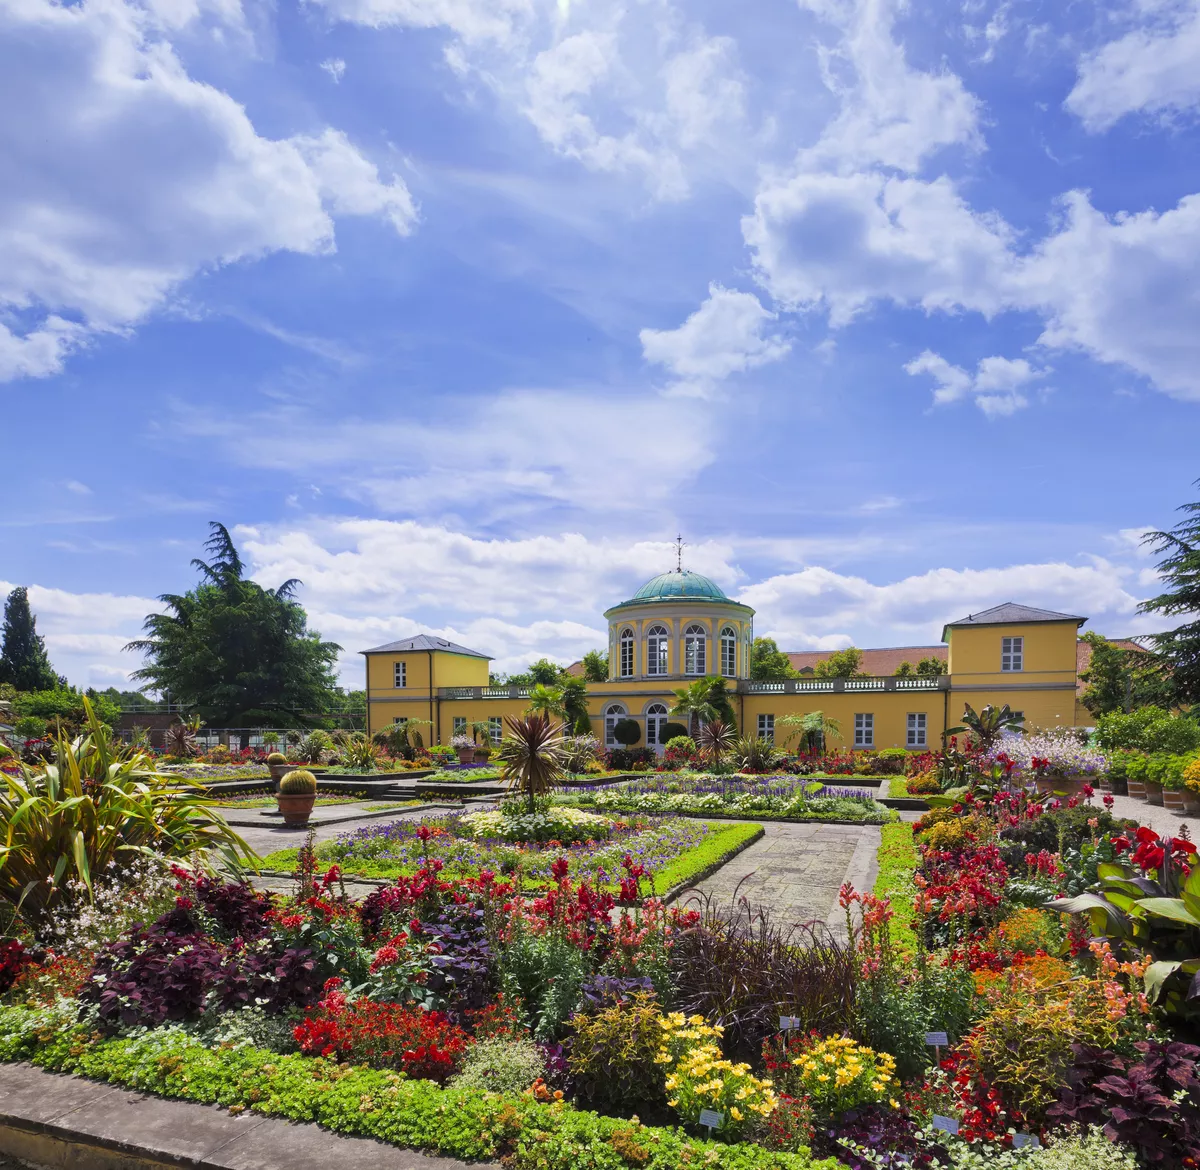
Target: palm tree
531,756
546,701
696,703
813,728
575,700
988,724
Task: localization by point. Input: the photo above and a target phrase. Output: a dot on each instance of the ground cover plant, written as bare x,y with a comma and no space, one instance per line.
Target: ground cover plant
769,797
519,990
525,845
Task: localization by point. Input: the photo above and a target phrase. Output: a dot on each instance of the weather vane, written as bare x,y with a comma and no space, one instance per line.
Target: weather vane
679,553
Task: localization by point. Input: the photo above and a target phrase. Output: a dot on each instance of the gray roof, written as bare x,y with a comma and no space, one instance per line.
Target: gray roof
1010,613
426,642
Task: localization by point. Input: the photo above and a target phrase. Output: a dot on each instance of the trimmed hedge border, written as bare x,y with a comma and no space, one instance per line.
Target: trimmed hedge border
372,1103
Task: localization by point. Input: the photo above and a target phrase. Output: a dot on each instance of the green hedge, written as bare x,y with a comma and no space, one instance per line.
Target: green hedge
371,1103
897,863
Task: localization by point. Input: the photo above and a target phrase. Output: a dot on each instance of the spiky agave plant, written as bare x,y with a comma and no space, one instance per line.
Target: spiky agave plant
90,811
531,755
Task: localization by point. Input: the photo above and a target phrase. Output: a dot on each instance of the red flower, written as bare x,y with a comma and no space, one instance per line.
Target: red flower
558,869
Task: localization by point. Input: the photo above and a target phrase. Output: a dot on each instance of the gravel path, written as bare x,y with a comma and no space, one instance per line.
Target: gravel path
1161,820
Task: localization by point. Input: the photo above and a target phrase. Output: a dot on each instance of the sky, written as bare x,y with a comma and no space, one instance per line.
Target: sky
460,310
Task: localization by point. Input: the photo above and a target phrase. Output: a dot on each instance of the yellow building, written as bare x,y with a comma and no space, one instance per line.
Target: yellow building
680,626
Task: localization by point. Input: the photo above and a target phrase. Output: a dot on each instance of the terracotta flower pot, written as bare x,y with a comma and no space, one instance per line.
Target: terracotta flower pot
296,807
481,756
1191,802
1063,787
1173,799
1105,783
466,755
1154,792
1118,785
1136,789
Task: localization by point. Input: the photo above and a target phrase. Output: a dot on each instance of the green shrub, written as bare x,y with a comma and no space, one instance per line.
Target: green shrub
627,732
681,743
30,727
1148,729
545,974
500,1066
614,1055
672,731
298,783
1082,1151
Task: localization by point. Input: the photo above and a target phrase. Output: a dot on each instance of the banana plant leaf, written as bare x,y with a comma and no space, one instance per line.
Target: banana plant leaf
1172,908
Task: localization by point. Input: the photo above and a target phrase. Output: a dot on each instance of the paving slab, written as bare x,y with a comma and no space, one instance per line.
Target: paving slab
115,1129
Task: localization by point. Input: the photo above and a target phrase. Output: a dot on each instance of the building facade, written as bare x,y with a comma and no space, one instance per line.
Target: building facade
680,627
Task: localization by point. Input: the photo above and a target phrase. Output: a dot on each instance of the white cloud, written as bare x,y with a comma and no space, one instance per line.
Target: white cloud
1151,69
134,176
635,90
839,242
996,384
726,335
515,451
335,67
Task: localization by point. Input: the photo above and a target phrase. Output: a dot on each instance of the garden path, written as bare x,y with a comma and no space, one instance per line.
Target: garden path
1161,820
795,871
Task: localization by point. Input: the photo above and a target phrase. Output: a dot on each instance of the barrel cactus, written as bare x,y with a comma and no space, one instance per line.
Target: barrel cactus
298,783
277,758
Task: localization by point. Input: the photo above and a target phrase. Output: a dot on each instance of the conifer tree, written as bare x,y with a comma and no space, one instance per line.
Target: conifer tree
23,660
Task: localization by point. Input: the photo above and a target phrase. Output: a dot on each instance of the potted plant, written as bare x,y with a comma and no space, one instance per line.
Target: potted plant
1191,788
278,766
297,795
483,753
1169,770
1135,774
465,746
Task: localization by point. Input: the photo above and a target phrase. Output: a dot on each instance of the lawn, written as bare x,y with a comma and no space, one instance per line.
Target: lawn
672,851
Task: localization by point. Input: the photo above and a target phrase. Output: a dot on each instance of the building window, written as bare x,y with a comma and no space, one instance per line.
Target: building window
657,642
916,729
766,727
1012,654
729,652
694,657
495,728
458,725
656,720
612,715
864,730
400,674
626,653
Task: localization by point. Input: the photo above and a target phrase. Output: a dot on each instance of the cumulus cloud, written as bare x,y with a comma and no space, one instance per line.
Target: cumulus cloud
726,335
1151,69
133,176
996,383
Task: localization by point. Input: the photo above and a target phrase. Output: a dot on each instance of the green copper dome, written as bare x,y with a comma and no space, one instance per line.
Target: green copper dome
682,583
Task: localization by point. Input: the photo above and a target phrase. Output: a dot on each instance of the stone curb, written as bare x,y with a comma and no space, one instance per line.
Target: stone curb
261,823
69,1123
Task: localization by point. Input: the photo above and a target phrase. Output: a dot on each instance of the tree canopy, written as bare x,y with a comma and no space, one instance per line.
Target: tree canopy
840,664
1178,650
23,659
234,653
1120,679
768,661
595,666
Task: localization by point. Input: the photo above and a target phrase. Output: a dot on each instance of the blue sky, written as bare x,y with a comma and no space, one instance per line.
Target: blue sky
459,310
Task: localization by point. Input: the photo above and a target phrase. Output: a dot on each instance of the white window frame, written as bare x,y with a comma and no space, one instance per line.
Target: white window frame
495,728
729,652
766,727
458,725
658,644
918,727
399,675
656,719
864,729
626,643
695,650
613,714
1012,655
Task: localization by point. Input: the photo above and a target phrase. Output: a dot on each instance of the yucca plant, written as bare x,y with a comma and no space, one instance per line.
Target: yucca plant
717,738
753,753
531,756
90,811
314,745
359,752
180,739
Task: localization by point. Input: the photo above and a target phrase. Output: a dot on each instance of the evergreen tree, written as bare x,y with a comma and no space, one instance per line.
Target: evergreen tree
768,661
1178,650
236,654
23,661
1120,679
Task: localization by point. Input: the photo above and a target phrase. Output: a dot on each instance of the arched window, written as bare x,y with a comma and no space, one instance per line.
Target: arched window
694,656
729,652
656,720
613,714
657,642
626,653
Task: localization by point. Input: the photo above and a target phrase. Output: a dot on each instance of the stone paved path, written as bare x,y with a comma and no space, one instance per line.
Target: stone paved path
795,871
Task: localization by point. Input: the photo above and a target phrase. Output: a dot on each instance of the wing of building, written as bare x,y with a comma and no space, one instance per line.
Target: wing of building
680,626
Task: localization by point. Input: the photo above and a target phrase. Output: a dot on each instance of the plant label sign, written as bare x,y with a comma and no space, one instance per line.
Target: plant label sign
1023,1140
711,1118
945,1124
789,1023
937,1040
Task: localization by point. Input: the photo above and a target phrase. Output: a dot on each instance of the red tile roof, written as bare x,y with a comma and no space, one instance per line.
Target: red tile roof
874,662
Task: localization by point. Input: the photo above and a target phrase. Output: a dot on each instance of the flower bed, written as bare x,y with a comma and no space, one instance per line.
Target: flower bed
792,798
673,850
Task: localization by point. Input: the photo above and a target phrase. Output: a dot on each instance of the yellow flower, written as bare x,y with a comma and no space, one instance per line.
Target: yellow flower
823,1077
735,1113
